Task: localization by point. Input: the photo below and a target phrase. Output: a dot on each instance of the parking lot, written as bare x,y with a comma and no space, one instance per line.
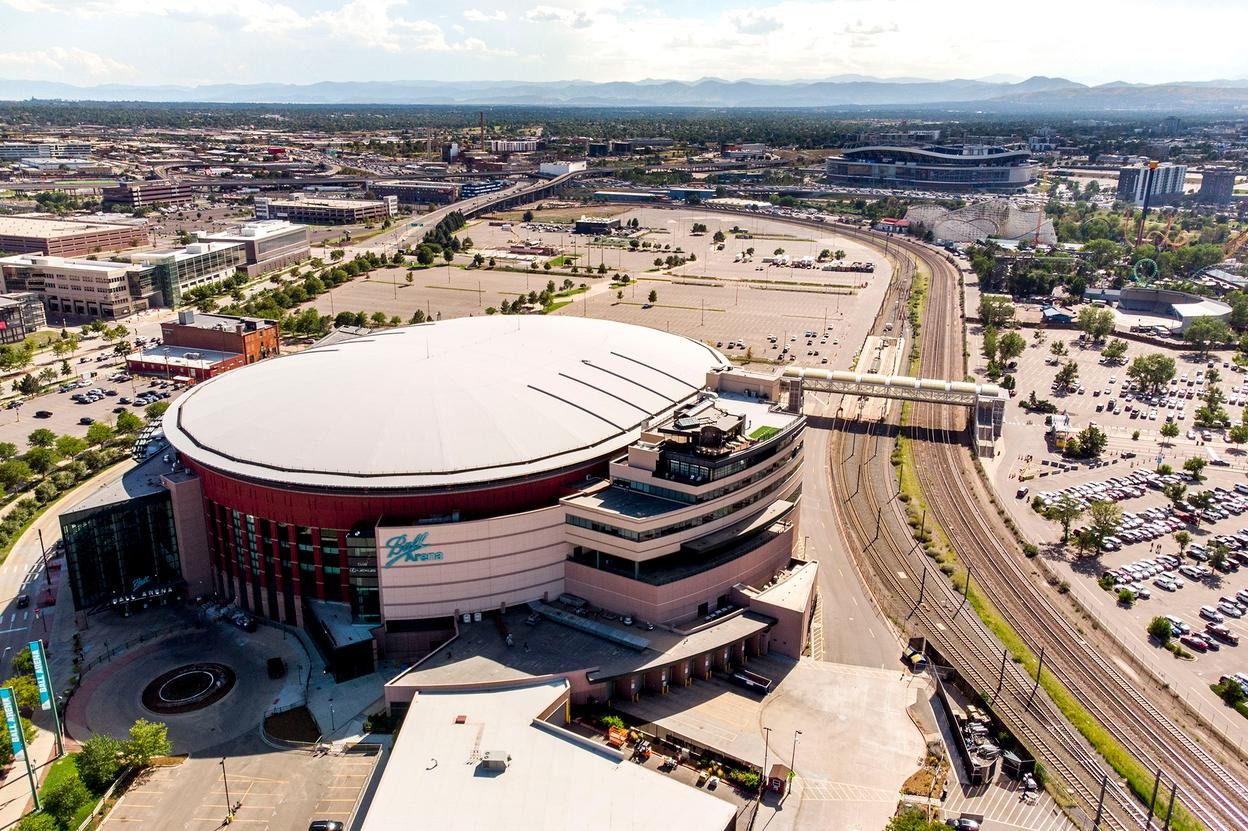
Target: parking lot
712,299
274,790
1145,558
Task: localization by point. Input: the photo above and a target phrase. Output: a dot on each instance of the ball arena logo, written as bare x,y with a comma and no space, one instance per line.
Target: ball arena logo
401,551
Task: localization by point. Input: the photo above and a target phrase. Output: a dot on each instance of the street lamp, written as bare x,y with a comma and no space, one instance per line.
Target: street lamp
793,756
229,806
332,725
44,552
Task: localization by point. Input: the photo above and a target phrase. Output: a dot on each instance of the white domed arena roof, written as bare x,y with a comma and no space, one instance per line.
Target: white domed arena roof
453,403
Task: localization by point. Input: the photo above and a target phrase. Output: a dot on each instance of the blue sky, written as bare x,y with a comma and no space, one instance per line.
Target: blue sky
303,41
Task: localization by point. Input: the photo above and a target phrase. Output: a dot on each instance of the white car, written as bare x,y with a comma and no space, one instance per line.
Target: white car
1165,583
1211,614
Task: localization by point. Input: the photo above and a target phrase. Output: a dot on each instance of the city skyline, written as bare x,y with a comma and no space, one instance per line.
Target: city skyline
91,42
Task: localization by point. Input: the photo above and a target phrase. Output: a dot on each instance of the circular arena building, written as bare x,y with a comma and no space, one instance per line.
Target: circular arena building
413,475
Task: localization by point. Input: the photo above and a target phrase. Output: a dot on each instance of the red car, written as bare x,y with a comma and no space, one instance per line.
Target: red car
1223,634
1194,641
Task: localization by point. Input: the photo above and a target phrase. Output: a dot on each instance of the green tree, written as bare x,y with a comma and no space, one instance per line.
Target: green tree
1067,375
1095,322
1194,466
1152,371
718,236
41,459
1104,518
25,690
1200,503
990,343
62,798
995,311
70,446
128,422
1182,539
148,739
155,410
1115,350
1058,348
99,433
1101,253
43,437
7,450
654,296
1065,511
99,761
24,662
1205,332
13,473
1159,628
1010,346
527,216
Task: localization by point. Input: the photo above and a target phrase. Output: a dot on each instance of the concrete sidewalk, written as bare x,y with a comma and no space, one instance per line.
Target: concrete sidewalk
15,799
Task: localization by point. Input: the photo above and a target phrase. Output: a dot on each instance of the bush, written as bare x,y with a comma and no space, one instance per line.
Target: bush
746,779
612,721
99,762
63,798
38,822
1160,629
1030,550
1106,582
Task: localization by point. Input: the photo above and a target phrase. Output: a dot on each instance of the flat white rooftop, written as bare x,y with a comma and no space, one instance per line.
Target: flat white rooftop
66,263
22,226
555,781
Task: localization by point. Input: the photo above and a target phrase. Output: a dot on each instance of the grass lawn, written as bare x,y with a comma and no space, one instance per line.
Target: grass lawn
62,770
763,433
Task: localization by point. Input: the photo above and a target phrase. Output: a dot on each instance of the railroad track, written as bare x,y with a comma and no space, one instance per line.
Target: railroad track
1210,792
873,523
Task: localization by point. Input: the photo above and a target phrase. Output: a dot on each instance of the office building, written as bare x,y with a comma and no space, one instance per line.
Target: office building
418,193
21,314
252,337
14,150
596,225
1167,183
176,271
150,193
1217,186
66,238
327,211
73,287
963,167
268,245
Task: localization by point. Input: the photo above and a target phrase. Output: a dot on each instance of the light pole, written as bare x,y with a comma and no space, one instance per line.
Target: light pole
229,806
766,747
793,755
333,727
44,553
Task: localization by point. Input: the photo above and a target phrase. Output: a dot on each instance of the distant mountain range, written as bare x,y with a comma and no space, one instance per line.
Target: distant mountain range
846,91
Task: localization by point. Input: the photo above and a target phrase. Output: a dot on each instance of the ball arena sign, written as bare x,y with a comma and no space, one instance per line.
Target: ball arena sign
399,550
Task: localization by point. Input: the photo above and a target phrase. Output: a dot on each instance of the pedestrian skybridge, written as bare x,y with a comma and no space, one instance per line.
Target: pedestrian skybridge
986,400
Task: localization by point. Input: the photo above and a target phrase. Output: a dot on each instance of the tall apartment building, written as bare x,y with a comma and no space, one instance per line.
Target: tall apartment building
513,145
135,195
1167,183
268,244
14,150
1217,186
176,271
325,211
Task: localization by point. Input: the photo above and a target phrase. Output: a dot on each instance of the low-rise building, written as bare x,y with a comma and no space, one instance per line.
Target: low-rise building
268,245
596,225
467,190
252,337
418,193
963,167
691,193
66,238
556,169
132,196
21,314
326,211
182,364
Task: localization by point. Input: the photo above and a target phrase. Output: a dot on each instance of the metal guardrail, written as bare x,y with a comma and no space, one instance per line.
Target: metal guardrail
122,780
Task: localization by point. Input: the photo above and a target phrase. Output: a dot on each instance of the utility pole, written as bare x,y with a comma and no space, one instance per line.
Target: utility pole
766,747
44,552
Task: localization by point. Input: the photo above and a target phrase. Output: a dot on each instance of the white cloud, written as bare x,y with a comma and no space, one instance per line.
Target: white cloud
478,16
63,62
868,30
755,23
575,18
